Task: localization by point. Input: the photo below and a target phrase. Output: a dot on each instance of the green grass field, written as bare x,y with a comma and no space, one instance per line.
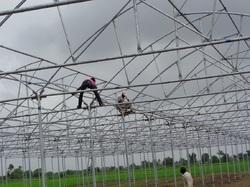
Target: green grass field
139,174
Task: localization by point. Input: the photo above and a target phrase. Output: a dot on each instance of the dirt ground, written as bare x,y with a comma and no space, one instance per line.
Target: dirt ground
227,181
219,181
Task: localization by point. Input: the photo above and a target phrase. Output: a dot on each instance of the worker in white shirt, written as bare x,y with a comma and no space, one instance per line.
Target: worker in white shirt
187,177
123,104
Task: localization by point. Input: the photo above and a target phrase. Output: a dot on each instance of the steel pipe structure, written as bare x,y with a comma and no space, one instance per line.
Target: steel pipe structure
187,81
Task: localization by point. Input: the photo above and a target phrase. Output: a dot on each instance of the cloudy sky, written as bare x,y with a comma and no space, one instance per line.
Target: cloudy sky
40,34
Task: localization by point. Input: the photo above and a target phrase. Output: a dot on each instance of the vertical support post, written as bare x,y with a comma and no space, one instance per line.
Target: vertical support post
172,151
149,165
248,167
227,157
42,152
133,163
126,150
194,161
204,163
116,174
39,172
118,170
63,168
102,164
242,151
29,162
165,167
237,156
232,150
92,149
28,138
210,156
153,153
52,168
6,169
83,181
200,162
2,155
58,165
1,151
145,166
186,145
77,168
24,167
218,144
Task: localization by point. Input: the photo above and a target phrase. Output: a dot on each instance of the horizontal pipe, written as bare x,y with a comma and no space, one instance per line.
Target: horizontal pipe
43,6
130,86
211,43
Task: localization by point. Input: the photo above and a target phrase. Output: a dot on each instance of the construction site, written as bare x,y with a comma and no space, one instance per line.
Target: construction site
181,65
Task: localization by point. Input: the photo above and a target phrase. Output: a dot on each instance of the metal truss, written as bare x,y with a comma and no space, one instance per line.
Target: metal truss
188,85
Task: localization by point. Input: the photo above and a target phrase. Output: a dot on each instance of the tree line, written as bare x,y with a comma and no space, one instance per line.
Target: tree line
18,173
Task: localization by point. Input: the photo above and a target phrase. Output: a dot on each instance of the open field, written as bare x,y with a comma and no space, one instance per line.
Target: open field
224,175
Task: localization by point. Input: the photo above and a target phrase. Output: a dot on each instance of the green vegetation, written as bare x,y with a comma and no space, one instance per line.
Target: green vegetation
69,178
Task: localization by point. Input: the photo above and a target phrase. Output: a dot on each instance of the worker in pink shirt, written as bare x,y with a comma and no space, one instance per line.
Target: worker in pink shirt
91,84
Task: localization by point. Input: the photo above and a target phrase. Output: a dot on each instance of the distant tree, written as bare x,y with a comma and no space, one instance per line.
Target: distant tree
248,152
98,170
182,161
159,162
245,156
205,157
192,158
149,164
112,168
167,161
50,175
17,173
215,159
89,169
241,155
10,169
143,163
220,153
27,173
37,172
223,156
69,172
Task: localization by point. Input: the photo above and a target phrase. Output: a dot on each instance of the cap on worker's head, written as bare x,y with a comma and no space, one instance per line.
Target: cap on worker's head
93,79
183,170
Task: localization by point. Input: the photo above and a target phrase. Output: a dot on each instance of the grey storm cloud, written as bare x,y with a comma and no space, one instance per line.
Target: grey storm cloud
40,33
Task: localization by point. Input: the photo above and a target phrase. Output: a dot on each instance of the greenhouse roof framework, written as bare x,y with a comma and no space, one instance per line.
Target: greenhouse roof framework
183,64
